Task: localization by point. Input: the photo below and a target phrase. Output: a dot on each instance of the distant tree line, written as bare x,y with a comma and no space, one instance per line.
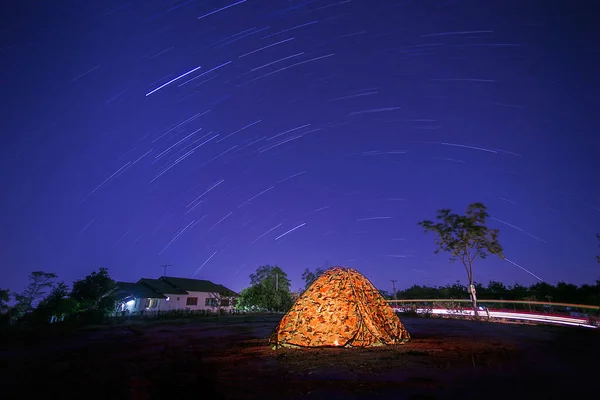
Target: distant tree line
560,293
45,300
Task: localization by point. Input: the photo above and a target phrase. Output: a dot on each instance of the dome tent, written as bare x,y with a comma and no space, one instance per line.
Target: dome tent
341,308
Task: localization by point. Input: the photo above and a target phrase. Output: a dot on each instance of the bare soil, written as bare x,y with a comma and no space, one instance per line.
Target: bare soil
229,358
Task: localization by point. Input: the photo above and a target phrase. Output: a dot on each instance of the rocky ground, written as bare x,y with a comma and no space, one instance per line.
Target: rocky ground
229,359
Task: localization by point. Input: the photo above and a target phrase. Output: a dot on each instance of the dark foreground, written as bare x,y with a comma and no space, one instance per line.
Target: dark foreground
230,359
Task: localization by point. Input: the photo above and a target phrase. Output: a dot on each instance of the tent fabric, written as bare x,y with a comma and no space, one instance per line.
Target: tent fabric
341,308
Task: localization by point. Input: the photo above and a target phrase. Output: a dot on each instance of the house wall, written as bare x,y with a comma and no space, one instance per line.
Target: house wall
201,304
174,302
139,304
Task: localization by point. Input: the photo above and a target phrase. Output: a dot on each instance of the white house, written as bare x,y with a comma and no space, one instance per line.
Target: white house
171,293
174,298
136,297
202,294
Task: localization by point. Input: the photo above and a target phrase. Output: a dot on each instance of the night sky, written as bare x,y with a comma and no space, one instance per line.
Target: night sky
217,136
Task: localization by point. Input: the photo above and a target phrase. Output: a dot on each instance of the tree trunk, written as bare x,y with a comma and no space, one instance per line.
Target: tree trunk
473,296
471,288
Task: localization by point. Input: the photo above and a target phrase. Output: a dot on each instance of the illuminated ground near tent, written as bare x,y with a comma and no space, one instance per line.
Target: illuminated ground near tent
231,358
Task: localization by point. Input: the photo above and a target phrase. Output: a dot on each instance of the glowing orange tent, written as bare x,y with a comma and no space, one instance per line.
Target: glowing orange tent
341,308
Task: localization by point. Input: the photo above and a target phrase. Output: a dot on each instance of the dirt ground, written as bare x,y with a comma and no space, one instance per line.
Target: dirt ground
230,359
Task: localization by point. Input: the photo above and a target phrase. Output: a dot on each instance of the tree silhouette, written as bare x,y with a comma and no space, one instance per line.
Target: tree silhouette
269,289
39,282
466,238
57,304
4,298
94,291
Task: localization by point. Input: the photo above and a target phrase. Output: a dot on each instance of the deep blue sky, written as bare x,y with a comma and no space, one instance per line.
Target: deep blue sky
399,108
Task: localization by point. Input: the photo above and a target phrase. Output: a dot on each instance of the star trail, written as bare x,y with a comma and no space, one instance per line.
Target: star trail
217,136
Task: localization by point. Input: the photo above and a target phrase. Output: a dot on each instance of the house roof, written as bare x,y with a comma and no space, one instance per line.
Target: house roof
198,285
138,290
161,286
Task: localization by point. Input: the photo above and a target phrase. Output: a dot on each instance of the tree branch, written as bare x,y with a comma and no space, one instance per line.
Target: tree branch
473,259
466,268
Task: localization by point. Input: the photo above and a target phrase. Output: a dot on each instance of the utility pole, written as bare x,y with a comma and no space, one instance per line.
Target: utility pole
165,268
394,286
276,282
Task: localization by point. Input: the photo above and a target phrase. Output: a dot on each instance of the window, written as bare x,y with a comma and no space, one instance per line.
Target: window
225,302
210,302
151,303
192,301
